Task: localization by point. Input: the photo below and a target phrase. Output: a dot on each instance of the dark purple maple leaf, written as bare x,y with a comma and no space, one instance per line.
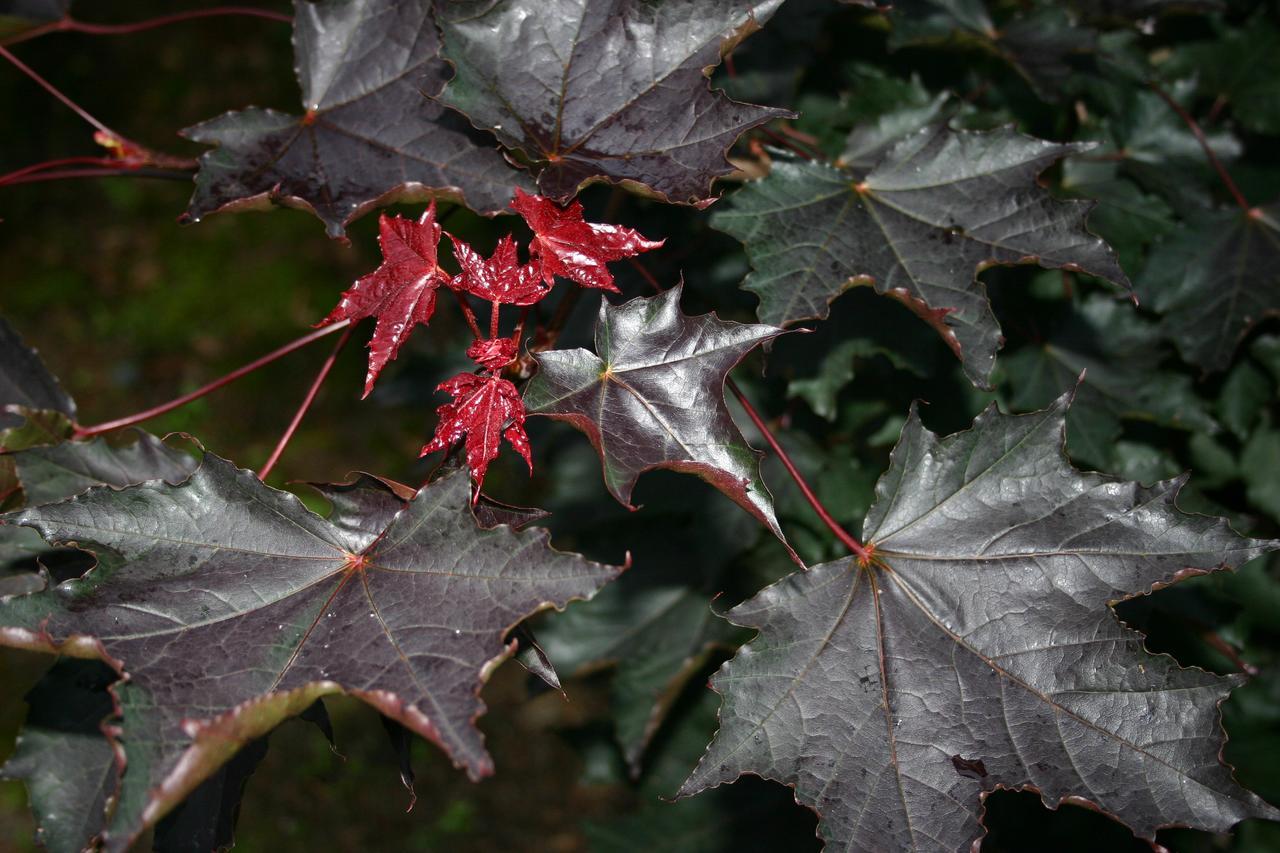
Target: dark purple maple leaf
566,245
500,278
401,292
977,650
652,396
485,409
230,606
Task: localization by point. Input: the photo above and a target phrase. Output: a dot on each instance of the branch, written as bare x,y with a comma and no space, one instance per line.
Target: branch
85,432
862,552
121,172
53,90
1204,143
306,404
70,25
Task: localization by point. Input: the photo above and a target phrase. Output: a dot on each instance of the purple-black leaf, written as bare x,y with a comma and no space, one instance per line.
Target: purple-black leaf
230,607
371,132
652,396
982,629
940,206
576,85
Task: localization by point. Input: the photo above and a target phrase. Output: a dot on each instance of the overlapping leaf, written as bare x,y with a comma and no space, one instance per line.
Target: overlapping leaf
652,396
977,651
1119,354
486,410
939,207
371,132
401,292
1214,280
230,607
610,90
566,245
26,382
63,754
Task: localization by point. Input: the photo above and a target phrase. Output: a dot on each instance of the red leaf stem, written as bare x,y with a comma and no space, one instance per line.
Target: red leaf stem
53,90
1194,127
121,172
71,25
859,550
306,404
97,429
469,314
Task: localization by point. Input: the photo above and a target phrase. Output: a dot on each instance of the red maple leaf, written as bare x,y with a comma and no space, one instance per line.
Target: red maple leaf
485,409
401,292
493,354
500,278
564,245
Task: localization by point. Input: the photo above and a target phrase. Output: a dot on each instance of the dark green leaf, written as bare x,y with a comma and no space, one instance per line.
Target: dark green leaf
63,754
1213,280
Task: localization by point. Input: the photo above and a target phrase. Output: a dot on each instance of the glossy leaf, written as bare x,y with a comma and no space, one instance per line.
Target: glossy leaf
565,245
401,292
977,651
57,472
371,132
652,396
1214,280
486,410
577,85
255,607
941,206
499,278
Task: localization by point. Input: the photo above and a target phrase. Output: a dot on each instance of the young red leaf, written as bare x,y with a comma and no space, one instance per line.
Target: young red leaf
401,292
500,278
565,245
493,354
485,409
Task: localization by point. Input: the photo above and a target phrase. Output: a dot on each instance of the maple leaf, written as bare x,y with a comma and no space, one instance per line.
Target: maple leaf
63,755
401,292
500,278
652,396
565,245
25,382
371,133
940,206
977,650
493,354
576,86
485,409
255,607
1214,279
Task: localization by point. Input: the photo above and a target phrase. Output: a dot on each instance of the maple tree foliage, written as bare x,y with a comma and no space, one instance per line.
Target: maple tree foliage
974,649
1001,622
401,292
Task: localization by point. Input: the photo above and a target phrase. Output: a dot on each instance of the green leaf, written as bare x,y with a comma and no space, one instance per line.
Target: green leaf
1115,355
1213,280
